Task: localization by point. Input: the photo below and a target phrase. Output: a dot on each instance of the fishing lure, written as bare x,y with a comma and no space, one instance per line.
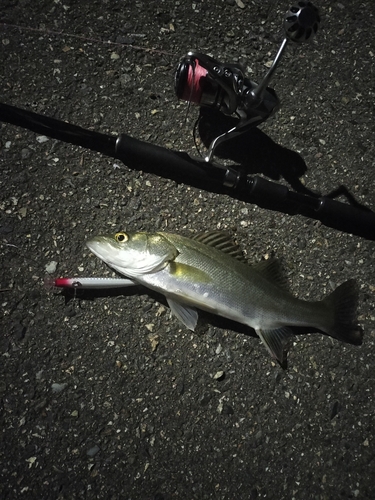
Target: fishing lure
89,283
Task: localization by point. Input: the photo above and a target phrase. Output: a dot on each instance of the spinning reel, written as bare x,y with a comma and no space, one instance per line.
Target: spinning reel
204,81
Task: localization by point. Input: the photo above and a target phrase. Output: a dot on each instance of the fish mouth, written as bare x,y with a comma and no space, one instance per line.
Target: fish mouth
102,249
92,246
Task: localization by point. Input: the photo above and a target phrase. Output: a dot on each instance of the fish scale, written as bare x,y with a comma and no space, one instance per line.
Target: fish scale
236,289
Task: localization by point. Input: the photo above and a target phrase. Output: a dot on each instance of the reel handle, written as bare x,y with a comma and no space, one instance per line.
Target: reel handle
301,24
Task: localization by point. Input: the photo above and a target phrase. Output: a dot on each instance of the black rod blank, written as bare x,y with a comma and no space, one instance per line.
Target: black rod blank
140,155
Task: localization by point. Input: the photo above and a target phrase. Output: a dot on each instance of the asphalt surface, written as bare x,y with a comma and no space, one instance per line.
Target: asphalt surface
111,397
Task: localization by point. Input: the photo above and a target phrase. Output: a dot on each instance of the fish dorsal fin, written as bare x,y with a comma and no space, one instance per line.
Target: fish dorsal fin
221,241
272,271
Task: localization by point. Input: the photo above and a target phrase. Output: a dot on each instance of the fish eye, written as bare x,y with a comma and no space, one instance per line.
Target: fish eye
121,237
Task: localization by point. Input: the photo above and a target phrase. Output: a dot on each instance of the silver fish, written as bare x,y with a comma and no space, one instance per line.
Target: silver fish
209,272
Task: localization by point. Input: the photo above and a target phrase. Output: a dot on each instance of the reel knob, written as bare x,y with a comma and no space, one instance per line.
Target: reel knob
302,22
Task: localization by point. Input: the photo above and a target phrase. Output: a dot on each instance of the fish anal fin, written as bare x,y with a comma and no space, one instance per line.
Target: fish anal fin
186,314
271,270
277,342
221,241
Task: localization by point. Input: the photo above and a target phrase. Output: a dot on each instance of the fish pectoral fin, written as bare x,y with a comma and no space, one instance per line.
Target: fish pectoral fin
186,314
184,272
277,342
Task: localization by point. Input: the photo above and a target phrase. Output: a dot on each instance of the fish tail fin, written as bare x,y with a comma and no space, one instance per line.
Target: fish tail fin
343,303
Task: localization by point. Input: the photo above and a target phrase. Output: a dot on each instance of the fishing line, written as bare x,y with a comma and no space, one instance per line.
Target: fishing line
195,136
88,39
193,88
191,93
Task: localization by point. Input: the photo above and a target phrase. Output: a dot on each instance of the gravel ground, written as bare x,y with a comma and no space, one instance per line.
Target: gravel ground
111,397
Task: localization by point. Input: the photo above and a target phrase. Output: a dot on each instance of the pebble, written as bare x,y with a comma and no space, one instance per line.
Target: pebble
42,138
125,79
93,451
56,388
25,153
51,267
228,355
240,4
219,375
22,211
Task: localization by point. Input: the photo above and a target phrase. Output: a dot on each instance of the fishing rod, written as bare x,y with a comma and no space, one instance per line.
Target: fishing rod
208,83
197,172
